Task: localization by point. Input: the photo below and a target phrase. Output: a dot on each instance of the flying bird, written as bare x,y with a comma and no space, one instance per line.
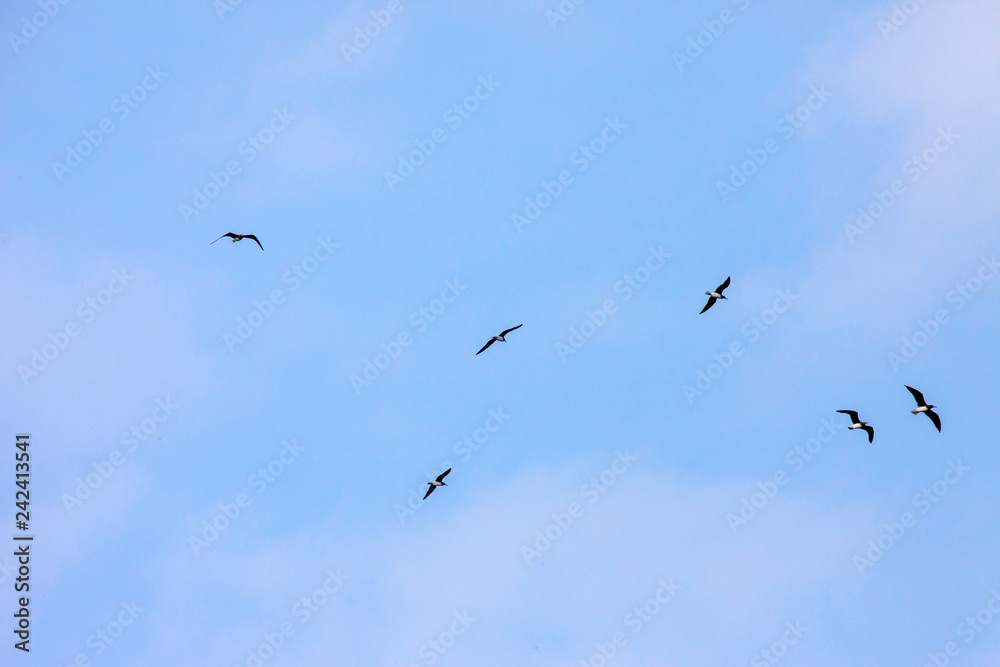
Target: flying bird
923,407
716,295
499,338
857,423
436,483
238,237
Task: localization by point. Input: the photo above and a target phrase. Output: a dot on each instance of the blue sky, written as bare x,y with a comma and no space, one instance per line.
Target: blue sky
602,501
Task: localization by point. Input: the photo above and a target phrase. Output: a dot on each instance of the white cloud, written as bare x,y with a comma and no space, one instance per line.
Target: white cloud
407,582
940,70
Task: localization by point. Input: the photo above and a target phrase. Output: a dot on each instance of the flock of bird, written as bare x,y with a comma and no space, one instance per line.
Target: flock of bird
713,296
922,406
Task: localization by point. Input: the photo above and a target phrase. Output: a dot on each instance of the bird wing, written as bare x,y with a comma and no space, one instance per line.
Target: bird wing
443,475
934,418
430,490
852,414
251,236
504,333
711,302
230,235
916,395
871,432
723,285
488,343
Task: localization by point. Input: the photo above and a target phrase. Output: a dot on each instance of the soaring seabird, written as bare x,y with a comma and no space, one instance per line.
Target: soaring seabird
436,483
715,296
923,407
857,423
499,338
239,237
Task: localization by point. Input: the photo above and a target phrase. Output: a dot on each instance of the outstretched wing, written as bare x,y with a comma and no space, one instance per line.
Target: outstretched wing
852,414
230,235
871,432
488,343
916,395
430,490
934,418
251,236
711,302
443,475
504,333
723,286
